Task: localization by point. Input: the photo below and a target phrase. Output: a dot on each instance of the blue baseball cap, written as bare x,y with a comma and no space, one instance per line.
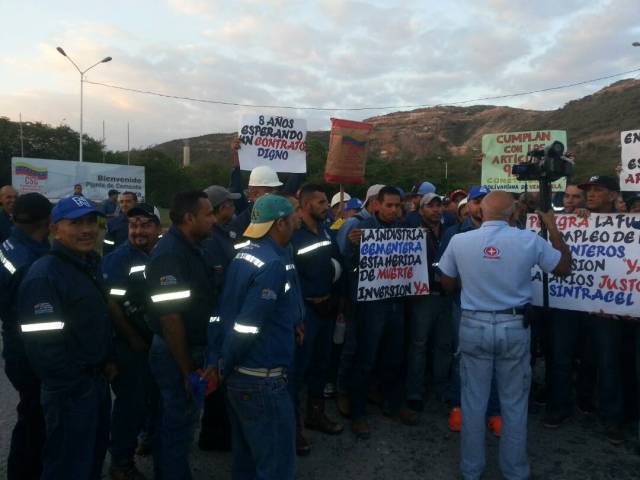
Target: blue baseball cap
353,204
478,191
73,207
426,187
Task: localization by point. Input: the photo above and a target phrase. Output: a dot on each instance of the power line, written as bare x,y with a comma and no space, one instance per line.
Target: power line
357,109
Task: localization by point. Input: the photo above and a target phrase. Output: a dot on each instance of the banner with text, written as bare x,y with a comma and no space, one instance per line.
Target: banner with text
501,151
630,173
55,178
393,263
347,155
606,263
279,142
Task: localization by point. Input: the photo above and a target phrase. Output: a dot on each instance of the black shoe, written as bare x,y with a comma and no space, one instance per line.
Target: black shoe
554,421
416,405
615,434
586,408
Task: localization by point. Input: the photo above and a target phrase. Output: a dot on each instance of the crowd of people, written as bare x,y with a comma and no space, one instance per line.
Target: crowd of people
241,321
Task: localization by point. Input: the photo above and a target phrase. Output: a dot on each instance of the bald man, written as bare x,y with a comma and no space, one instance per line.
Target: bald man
494,263
8,196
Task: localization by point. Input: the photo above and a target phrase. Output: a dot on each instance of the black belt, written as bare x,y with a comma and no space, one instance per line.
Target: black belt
506,311
93,370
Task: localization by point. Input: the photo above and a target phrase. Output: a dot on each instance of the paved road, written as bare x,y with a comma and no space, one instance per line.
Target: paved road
578,451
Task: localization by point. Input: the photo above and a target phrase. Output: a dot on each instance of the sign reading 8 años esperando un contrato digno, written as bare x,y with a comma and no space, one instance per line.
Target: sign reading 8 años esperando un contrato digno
55,178
606,264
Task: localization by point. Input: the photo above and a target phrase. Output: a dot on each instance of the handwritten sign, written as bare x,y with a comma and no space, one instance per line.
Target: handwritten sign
630,174
393,263
501,151
279,142
606,265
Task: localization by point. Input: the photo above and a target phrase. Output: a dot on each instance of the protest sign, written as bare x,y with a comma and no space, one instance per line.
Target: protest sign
501,151
55,178
606,263
630,173
347,151
275,141
393,263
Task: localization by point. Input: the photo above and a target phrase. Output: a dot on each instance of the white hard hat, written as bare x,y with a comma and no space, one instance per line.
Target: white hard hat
337,270
336,198
264,176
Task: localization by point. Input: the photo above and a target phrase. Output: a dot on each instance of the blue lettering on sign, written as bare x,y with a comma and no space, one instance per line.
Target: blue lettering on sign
584,293
590,251
271,154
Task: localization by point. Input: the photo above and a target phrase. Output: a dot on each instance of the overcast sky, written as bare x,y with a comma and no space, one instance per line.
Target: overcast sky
328,53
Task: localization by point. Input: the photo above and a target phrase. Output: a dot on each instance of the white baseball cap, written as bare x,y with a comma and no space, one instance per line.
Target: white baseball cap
335,200
373,191
264,176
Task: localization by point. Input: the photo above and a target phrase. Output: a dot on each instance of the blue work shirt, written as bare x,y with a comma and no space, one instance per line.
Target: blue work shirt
219,251
109,207
64,317
262,306
494,264
312,257
17,253
124,277
179,282
117,233
342,237
6,224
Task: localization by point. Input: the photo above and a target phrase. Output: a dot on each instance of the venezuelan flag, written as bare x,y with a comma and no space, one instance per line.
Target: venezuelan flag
29,170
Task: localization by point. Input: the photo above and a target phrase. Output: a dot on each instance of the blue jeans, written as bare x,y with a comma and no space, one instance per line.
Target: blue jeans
494,344
133,388
429,318
262,428
493,407
380,328
312,358
348,353
179,415
570,337
607,339
77,420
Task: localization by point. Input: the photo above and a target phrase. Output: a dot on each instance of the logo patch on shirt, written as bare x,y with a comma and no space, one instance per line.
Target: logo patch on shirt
218,268
42,308
168,280
492,253
268,294
232,234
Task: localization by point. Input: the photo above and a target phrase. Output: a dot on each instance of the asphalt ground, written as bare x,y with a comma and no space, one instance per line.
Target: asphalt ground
577,450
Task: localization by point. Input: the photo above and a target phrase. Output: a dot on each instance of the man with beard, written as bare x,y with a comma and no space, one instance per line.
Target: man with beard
8,197
124,271
182,302
379,334
314,259
67,335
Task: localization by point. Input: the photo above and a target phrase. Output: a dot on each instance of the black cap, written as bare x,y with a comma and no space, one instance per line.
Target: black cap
113,191
145,210
610,183
31,208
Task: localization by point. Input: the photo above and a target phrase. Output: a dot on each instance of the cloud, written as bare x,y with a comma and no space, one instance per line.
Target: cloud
328,54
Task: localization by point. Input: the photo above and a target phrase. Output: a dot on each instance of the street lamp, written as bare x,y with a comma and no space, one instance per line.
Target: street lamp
81,72
635,44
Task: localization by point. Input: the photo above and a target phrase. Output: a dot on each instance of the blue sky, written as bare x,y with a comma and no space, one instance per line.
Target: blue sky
327,53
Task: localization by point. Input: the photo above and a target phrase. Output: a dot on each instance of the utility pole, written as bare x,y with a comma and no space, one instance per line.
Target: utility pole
103,143
21,138
128,147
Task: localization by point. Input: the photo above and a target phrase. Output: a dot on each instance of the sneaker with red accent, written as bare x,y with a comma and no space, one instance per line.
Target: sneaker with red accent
455,419
495,425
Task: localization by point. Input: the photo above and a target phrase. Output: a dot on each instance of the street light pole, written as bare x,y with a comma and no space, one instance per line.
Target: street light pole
82,73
